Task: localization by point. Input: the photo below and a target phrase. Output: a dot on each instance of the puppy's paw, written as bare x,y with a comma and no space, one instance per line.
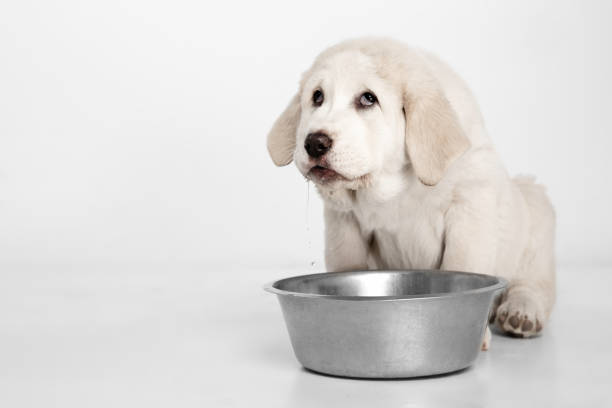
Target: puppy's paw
519,315
486,340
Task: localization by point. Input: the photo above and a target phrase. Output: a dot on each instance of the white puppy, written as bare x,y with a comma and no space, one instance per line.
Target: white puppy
396,145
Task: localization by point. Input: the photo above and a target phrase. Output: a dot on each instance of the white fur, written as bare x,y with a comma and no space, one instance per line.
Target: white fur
422,185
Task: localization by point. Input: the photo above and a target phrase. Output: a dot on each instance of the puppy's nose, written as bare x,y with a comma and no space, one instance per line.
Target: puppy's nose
317,144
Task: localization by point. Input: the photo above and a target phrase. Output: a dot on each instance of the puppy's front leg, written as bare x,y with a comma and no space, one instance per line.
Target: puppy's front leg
470,241
345,248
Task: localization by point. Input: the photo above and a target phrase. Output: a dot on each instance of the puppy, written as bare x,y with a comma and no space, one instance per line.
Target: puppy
396,145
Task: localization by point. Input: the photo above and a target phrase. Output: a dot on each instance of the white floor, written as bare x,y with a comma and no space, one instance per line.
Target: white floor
188,336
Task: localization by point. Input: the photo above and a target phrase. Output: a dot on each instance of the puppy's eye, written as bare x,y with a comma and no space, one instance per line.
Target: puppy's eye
317,98
367,99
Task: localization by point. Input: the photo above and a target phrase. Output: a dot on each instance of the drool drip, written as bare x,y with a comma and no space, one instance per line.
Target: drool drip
309,250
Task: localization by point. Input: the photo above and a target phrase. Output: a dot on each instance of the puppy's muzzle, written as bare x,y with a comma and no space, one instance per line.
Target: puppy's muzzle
317,144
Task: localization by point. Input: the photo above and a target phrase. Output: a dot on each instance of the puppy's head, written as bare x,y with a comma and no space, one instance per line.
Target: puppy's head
364,108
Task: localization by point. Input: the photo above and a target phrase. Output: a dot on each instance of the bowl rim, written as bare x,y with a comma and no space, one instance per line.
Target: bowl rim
498,286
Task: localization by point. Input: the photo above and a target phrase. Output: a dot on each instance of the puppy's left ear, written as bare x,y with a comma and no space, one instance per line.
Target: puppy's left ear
281,139
434,137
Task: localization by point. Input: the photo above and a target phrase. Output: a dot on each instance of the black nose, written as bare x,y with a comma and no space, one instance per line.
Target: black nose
317,144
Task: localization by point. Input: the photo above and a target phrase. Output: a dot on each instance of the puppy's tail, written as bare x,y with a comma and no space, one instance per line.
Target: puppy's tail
535,195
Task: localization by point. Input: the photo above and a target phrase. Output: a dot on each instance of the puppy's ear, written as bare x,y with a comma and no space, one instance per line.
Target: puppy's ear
434,137
281,139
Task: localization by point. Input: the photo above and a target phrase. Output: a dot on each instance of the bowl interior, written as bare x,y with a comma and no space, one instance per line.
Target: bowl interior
386,283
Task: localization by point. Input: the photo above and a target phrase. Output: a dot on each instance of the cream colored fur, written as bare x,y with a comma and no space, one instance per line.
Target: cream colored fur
422,185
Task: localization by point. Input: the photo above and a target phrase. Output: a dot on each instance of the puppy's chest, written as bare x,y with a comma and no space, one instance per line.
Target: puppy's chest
402,233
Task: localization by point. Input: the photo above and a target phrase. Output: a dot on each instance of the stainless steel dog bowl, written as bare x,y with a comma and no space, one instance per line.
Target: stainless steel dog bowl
387,324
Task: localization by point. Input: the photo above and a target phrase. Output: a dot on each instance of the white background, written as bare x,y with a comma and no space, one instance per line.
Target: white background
134,131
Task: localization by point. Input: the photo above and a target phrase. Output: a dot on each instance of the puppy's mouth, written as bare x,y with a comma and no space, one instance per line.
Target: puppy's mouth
324,174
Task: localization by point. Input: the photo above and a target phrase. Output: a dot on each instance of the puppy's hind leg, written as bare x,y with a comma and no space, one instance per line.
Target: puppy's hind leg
527,304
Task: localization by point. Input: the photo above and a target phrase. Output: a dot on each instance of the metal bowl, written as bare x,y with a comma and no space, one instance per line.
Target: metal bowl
387,324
